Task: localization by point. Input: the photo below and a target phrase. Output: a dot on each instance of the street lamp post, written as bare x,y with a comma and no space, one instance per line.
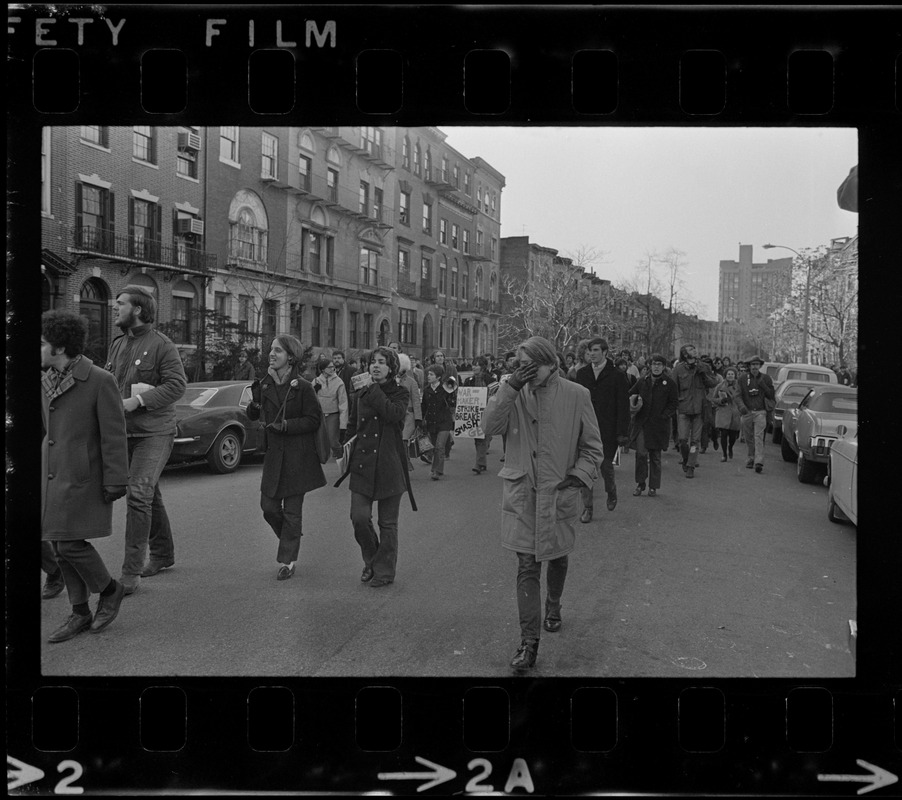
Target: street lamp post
807,307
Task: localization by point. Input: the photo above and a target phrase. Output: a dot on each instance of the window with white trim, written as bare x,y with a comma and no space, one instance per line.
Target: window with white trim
269,147
228,143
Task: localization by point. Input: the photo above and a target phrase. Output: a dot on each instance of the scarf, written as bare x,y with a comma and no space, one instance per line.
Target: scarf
55,382
280,379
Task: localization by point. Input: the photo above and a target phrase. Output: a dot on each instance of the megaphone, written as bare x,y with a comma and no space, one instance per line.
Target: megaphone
450,384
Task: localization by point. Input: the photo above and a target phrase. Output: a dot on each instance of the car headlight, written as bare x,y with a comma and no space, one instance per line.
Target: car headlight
820,445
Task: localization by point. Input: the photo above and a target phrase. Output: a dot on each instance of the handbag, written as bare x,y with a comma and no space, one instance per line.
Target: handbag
323,445
424,443
344,459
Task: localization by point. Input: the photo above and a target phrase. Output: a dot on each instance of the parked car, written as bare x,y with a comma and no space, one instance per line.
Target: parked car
787,396
804,372
842,478
212,424
810,429
771,368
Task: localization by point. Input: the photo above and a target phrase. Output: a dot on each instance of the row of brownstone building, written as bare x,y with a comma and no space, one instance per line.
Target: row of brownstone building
345,236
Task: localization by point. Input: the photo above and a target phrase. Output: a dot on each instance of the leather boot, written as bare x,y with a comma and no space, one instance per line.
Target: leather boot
526,654
552,622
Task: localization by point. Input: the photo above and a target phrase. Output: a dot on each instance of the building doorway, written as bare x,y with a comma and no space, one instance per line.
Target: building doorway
94,304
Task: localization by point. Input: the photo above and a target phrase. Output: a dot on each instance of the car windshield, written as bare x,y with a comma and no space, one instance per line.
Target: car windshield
807,376
837,403
198,396
796,391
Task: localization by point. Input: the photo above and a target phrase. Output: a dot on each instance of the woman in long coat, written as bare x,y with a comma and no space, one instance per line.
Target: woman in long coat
84,464
726,411
378,467
287,405
654,399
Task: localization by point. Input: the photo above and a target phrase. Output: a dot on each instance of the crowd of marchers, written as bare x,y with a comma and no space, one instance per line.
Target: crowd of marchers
562,422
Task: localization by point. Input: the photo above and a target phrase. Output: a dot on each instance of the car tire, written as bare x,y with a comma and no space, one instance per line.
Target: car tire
805,470
786,450
225,454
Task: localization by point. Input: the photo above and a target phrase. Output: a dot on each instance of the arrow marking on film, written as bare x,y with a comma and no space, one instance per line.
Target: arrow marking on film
878,777
438,775
18,773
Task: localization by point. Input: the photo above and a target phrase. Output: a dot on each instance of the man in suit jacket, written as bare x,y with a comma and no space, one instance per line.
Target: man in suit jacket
609,388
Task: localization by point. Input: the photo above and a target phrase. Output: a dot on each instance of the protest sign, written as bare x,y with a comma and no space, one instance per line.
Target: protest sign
471,401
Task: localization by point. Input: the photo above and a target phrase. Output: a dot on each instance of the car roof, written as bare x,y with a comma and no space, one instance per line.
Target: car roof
217,384
834,388
811,367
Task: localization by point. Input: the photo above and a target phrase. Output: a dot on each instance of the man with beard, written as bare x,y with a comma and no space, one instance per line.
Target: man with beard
151,379
342,370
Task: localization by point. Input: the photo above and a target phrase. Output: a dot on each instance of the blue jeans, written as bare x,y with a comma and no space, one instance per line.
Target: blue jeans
440,440
690,432
284,515
529,595
146,521
380,553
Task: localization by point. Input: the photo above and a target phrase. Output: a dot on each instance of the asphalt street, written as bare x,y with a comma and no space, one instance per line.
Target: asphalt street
731,574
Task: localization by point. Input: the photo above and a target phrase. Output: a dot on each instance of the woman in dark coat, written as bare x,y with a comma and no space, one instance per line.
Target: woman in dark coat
653,401
84,467
438,406
286,404
378,467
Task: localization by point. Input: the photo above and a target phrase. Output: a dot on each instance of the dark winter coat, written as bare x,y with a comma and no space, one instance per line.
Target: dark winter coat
654,418
291,465
144,355
726,408
84,449
693,383
378,464
610,399
438,408
748,383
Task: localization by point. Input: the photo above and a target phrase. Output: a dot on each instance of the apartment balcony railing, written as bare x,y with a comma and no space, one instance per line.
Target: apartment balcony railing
124,249
406,286
352,138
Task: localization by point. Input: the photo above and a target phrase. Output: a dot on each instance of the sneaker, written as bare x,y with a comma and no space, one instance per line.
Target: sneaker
107,609
70,628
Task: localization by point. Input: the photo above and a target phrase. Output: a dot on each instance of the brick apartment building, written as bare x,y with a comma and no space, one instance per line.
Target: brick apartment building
345,236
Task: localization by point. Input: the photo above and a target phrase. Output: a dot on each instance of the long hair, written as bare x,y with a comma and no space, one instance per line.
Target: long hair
65,329
540,351
391,358
292,345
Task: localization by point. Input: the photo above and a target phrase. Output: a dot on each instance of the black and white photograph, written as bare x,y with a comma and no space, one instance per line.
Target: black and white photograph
661,326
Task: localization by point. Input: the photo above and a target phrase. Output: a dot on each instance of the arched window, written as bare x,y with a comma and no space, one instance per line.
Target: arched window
248,228
493,282
454,278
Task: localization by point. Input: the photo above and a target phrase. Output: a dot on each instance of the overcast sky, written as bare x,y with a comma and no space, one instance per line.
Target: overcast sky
704,191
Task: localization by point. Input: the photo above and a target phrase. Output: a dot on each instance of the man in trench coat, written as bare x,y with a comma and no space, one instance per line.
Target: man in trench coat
553,450
84,460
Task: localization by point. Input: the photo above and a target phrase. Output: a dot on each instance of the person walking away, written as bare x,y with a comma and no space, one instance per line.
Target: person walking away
756,389
439,401
726,413
693,379
287,405
609,389
482,377
84,464
333,400
413,420
245,370
378,468
554,450
655,400
151,380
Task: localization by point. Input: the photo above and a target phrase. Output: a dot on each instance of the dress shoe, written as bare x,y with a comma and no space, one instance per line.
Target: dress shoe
72,627
366,575
526,654
552,622
107,609
690,472
155,565
426,459
638,490
612,500
652,492
759,467
285,572
434,476
378,583
53,586
586,516
685,466
130,582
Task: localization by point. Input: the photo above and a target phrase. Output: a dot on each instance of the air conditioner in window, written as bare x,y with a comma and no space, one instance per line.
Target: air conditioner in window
189,141
191,225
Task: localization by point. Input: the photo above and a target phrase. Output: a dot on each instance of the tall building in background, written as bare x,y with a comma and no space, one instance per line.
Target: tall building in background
750,291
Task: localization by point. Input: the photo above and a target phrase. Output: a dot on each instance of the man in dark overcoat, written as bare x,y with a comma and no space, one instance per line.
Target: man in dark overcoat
609,388
655,401
84,468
